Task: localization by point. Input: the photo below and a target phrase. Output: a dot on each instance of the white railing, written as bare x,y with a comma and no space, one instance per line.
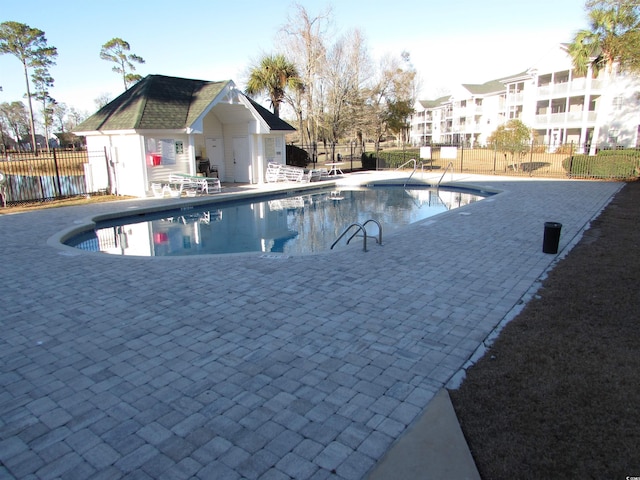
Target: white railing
565,117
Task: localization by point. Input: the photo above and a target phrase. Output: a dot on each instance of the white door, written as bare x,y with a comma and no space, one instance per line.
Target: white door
215,154
241,160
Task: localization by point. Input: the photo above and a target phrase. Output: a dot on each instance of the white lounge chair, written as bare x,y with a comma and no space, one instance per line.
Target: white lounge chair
273,172
196,184
277,172
157,189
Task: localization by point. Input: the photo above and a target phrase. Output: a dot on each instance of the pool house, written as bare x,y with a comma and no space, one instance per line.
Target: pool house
166,125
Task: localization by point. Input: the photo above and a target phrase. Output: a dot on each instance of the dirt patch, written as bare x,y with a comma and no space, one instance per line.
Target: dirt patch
557,394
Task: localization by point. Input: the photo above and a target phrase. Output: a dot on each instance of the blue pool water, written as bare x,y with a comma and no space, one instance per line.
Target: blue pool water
285,224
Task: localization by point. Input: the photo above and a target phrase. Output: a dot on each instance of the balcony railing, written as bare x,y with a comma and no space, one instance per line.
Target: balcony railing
564,118
576,86
515,98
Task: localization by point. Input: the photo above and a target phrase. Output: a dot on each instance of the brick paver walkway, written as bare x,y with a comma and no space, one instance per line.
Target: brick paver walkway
254,367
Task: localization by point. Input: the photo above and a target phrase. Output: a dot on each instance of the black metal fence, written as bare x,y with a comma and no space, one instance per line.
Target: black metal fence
569,161
59,173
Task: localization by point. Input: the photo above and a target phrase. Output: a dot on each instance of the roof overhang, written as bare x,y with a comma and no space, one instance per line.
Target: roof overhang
227,96
94,133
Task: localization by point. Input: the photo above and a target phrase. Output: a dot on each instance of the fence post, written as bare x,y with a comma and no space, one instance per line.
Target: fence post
495,153
55,164
531,160
461,155
570,160
106,162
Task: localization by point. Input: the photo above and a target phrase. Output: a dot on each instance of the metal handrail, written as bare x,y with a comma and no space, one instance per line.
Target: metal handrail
445,172
406,163
379,239
360,227
364,232
415,167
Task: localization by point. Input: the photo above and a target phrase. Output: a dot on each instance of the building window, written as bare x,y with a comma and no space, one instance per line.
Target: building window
617,103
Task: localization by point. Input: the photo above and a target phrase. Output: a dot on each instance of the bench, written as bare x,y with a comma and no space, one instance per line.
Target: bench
276,172
317,174
192,183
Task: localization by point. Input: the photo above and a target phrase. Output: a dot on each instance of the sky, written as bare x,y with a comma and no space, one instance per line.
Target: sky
449,42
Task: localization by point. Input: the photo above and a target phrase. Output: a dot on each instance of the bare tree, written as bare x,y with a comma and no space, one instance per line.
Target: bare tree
389,99
343,95
16,119
101,100
344,75
303,40
59,114
74,117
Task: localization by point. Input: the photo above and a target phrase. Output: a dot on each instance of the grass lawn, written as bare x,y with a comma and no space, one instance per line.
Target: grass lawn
557,394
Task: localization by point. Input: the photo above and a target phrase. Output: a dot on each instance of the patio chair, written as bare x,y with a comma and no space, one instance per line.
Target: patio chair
212,184
174,190
273,172
157,189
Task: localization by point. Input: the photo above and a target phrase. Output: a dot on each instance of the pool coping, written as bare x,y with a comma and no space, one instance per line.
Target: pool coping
391,178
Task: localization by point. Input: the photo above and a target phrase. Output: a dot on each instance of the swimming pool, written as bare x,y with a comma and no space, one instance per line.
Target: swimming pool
292,224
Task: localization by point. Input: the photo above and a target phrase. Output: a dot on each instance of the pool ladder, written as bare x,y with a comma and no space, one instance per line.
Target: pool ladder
361,227
450,166
415,167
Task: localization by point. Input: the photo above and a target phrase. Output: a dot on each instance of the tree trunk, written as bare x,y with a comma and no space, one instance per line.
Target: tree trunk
32,126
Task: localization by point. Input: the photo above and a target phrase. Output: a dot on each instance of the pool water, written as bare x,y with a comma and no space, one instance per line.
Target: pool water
285,224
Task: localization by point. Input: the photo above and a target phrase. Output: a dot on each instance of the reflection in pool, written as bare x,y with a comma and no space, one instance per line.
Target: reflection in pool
301,224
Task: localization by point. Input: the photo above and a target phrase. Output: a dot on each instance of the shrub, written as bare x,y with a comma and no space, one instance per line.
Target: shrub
627,153
297,156
541,149
607,163
566,149
390,159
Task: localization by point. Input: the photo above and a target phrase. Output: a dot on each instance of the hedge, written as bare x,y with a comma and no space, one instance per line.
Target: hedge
392,159
297,156
607,163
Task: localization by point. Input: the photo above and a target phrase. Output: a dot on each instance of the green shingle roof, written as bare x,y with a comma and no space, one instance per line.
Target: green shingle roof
434,103
158,102
492,86
274,122
155,102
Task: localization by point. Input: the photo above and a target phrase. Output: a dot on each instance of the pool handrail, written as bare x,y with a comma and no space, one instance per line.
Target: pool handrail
445,172
364,233
415,167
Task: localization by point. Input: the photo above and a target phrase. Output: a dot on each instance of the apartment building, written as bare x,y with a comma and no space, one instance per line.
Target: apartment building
559,105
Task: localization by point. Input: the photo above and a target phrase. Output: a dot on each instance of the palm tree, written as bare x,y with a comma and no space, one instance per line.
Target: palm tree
611,38
273,76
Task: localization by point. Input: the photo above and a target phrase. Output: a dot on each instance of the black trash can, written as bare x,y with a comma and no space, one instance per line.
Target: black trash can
551,237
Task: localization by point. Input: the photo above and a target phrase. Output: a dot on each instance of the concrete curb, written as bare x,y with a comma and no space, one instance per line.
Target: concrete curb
434,448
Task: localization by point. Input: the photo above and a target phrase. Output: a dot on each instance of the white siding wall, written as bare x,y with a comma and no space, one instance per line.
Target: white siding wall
126,170
130,175
169,147
99,174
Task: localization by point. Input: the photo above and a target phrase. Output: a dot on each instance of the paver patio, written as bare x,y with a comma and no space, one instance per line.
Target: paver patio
249,366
